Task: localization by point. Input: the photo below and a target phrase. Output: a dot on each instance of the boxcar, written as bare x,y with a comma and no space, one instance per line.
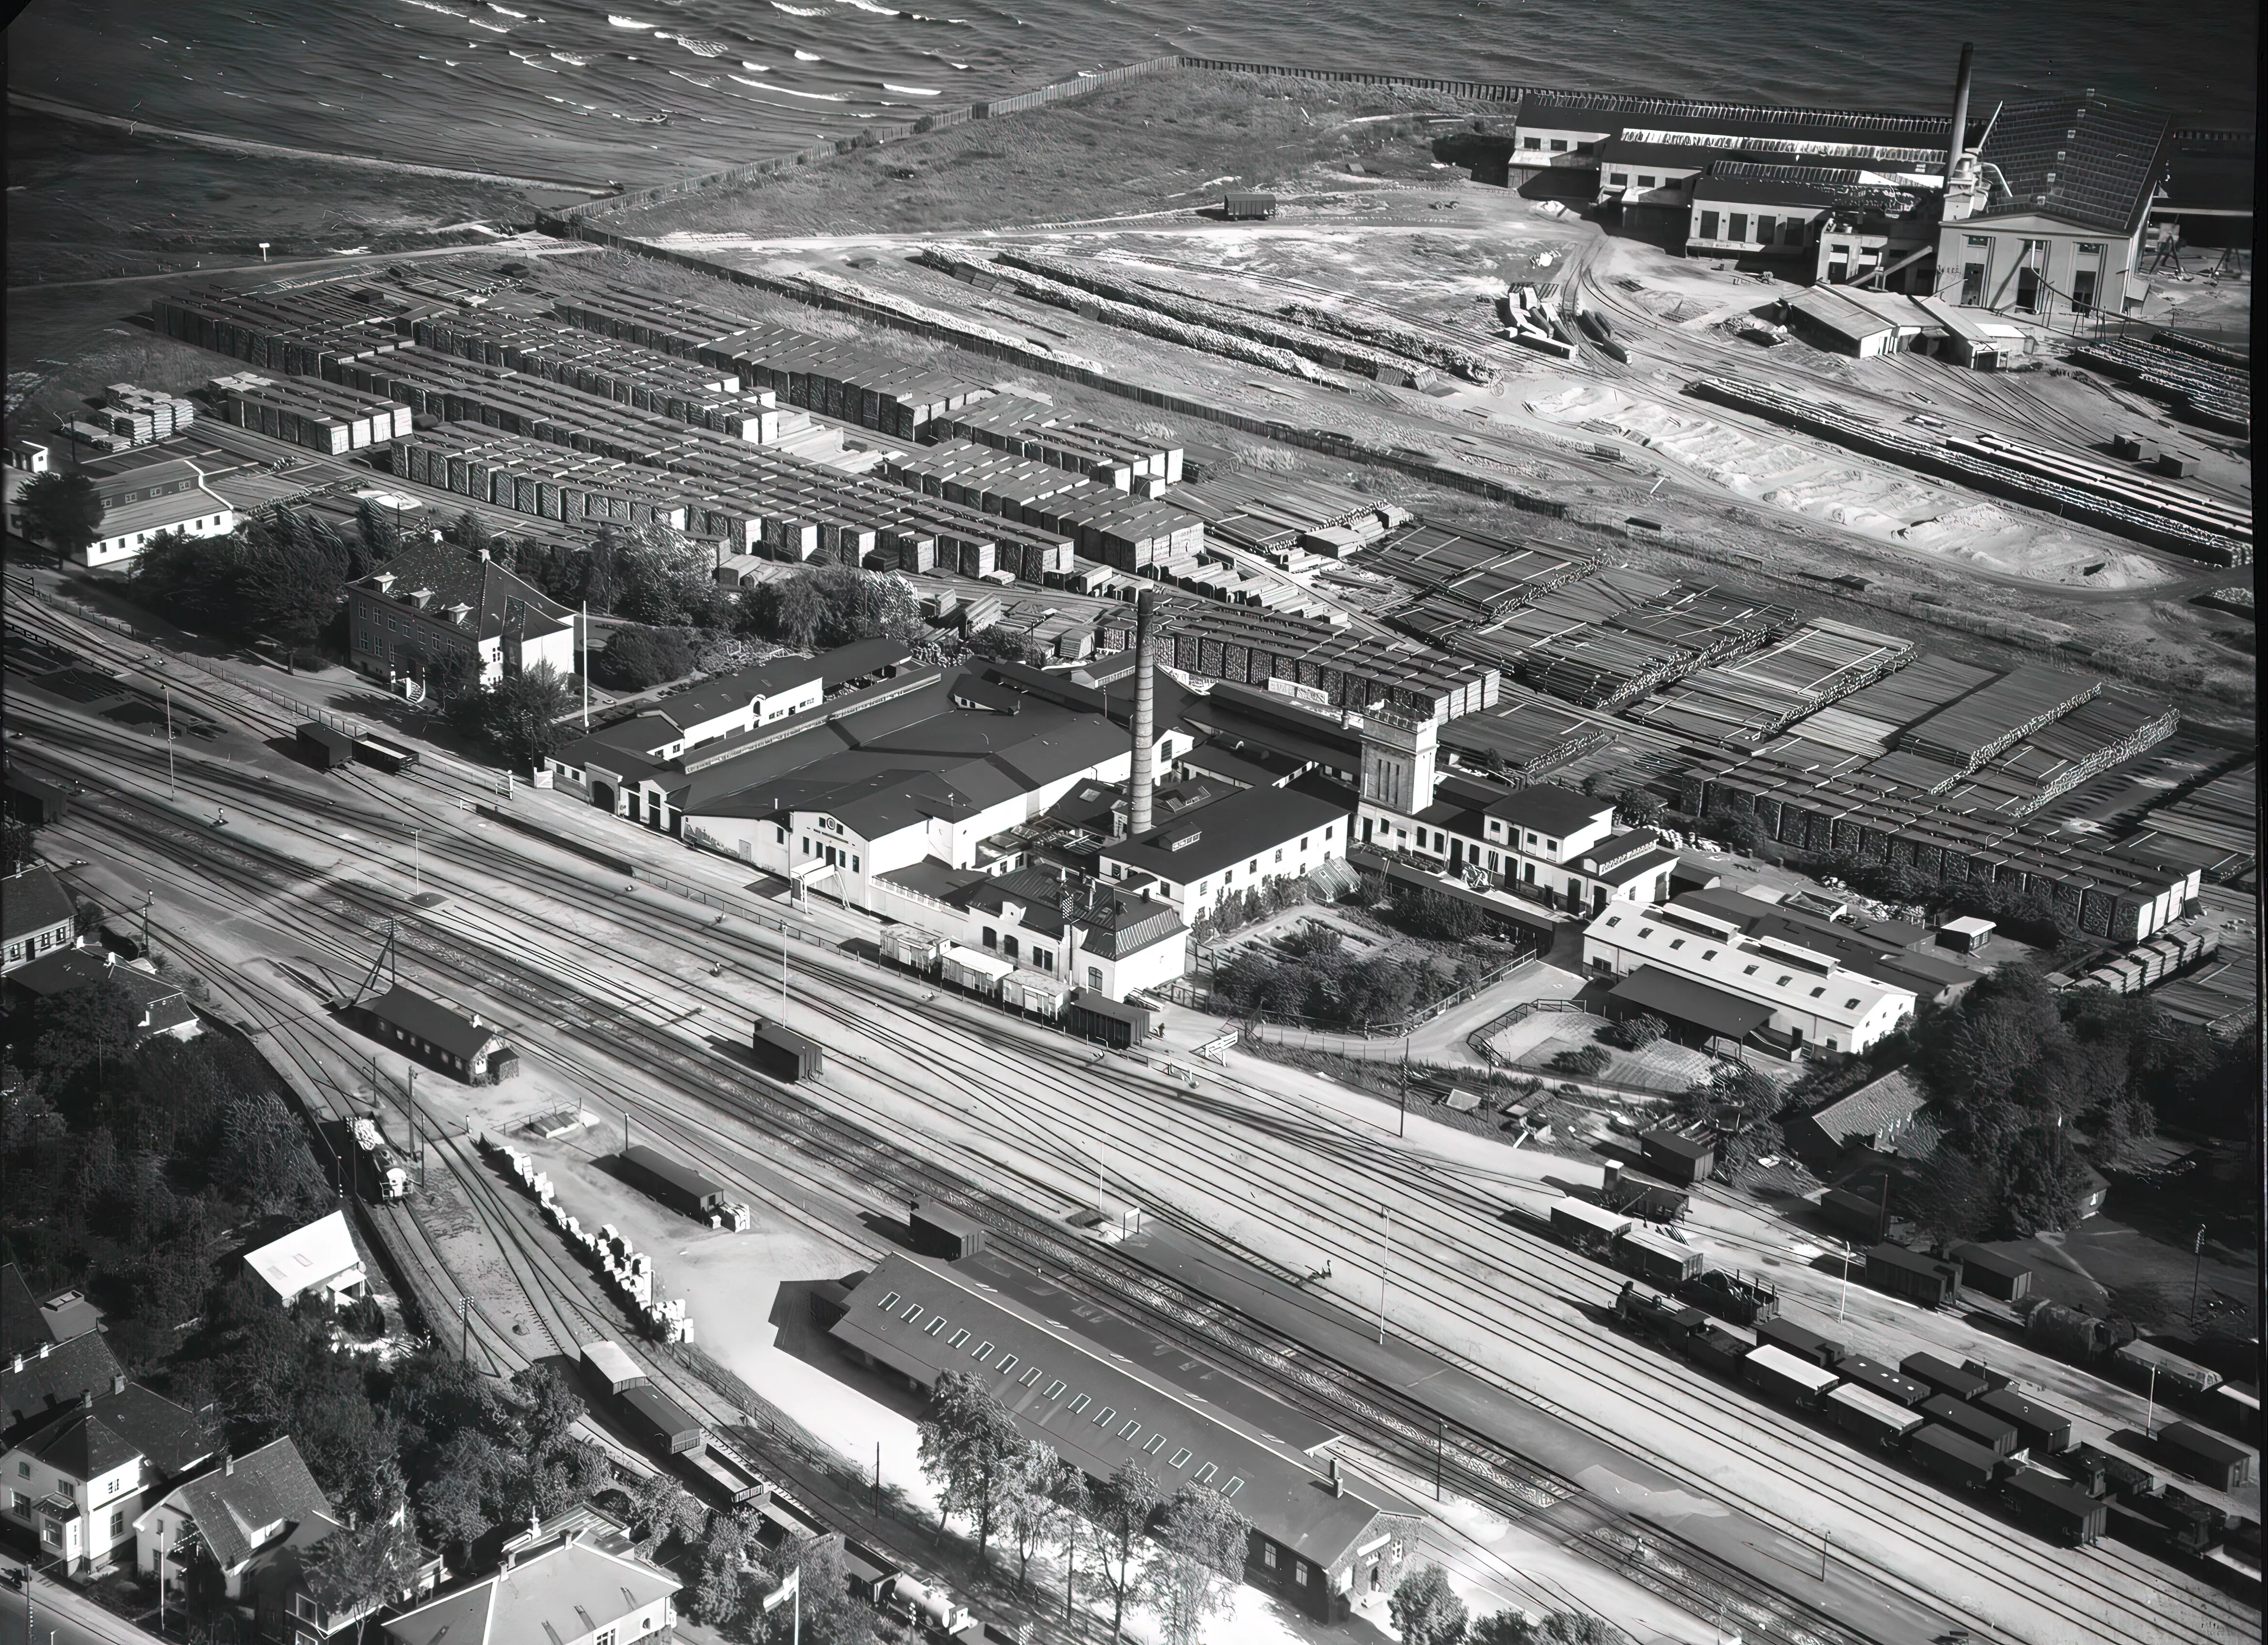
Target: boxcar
1998,1436
1991,1272
1859,1410
2234,1410
1655,1258
2189,1449
384,756
1944,1377
654,1415
1662,1320
940,1231
672,1182
2057,1509
1940,1451
2045,1433
782,1053
606,1364
1781,1376
2140,1364
1720,1350
1804,1343
1586,1227
1932,1281
1883,1380
327,746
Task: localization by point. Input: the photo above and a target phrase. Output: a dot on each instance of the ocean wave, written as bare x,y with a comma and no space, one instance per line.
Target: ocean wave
507,11
912,91
816,97
619,21
869,5
741,79
809,56
431,5
571,60
702,48
695,79
755,67
798,11
493,28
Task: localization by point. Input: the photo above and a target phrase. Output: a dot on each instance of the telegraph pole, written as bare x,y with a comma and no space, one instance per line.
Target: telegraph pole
1385,1264
586,664
169,749
2197,1272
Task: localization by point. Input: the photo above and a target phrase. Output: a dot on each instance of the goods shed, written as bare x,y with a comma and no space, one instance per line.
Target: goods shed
429,1031
675,1185
35,801
1696,1011
1680,1158
1095,1015
1930,1281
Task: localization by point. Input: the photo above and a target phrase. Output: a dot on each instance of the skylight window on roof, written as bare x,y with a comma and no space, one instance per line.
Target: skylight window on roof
1817,991
1850,1004
1157,1442
1102,1416
1232,1487
1031,1376
1007,1364
1129,1430
1204,1476
891,1301
959,1337
980,1353
934,1326
1080,1404
1055,1389
1179,1459
913,1312
1783,981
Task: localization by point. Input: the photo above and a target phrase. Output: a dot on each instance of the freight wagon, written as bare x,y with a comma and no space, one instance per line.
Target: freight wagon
1778,1374
1715,1348
383,755
2142,1365
1991,1272
2234,1409
1883,1380
2099,1473
1866,1415
784,1054
2045,1433
681,1187
724,1474
653,1415
1944,1378
1933,1281
2190,1451
1728,1296
939,1231
1940,1452
1800,1340
1655,1258
327,746
1642,1196
387,1180
1586,1227
2057,1510
1994,1434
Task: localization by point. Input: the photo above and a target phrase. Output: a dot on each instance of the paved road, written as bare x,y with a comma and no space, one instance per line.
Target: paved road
59,1615
535,245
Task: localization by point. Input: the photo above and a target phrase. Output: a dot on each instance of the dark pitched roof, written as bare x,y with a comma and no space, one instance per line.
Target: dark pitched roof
2087,160
56,1380
459,577
82,1446
561,1592
1111,923
1879,1114
1224,834
1650,988
22,1323
32,900
857,661
1549,809
162,1004
429,1021
233,1504
164,1433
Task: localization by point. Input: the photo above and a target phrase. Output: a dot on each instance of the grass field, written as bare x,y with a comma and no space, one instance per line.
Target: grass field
1149,145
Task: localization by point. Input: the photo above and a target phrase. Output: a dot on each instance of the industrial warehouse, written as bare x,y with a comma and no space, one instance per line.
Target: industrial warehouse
1291,849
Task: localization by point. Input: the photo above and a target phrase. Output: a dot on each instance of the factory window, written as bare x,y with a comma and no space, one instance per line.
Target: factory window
782,833
1179,1459
1740,226
2027,289
959,1337
1531,143
2090,248
1078,1405
1646,180
1620,177
1972,285
1764,225
1095,977
991,937
1492,860
1044,958
1102,1416
1303,842
1558,146
1299,1572
1279,853
1327,832
1531,839
1268,1554
1008,947
891,1301
1055,1389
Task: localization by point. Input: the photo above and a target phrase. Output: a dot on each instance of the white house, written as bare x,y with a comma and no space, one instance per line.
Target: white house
231,1515
1682,963
318,1260
37,916
556,1591
1238,843
77,1483
432,599
1071,932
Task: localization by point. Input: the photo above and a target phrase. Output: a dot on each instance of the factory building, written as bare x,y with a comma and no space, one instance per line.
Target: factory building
1072,931
1240,842
143,496
1547,844
432,599
1707,975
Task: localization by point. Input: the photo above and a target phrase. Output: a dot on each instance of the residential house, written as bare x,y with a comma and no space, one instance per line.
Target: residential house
432,599
1887,1116
38,1379
142,499
566,1587
36,917
207,1531
317,1260
1073,931
465,1047
77,1482
160,1006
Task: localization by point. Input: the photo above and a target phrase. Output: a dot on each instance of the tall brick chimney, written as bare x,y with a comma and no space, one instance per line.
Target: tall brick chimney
1145,667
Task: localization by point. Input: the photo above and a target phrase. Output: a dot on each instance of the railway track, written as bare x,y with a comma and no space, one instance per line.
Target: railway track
928,1051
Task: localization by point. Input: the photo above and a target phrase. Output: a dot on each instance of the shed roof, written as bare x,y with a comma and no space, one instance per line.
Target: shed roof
1224,833
1875,1114
430,1020
307,1257
674,1172
33,900
2092,161
1650,988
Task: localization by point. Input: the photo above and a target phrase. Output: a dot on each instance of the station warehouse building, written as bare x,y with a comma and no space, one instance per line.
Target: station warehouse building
1319,1536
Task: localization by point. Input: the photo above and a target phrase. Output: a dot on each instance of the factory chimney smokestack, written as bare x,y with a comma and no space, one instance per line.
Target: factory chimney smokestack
1959,136
1145,665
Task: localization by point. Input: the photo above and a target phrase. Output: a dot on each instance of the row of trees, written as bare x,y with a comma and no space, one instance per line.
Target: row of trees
1182,1555
1312,976
1425,1611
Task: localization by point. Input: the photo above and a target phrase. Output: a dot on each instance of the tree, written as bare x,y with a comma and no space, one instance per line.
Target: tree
520,714
662,1510
717,1598
20,850
550,1408
62,509
1738,826
461,1491
351,1572
786,611
1640,809
970,1446
380,533
1425,1610
1561,1627
1122,1508
1196,1560
2044,1182
1034,1508
293,591
88,1028
828,1613
636,657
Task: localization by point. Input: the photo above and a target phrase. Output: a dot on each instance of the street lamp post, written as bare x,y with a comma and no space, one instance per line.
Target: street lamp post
417,864
2197,1272
1385,1264
1843,1295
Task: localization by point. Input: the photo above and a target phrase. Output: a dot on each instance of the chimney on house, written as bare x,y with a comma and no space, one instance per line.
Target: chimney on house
228,1464
118,1385
1338,1486
1145,662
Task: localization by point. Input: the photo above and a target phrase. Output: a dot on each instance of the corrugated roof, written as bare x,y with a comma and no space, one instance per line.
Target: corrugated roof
2087,160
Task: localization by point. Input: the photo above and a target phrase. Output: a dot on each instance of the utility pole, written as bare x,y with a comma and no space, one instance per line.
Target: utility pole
416,865
878,1478
1825,1537
169,741
1441,1444
2196,1273
1844,1295
2150,1417
1402,1128
1385,1264
586,664
626,1130
415,1142
465,1325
